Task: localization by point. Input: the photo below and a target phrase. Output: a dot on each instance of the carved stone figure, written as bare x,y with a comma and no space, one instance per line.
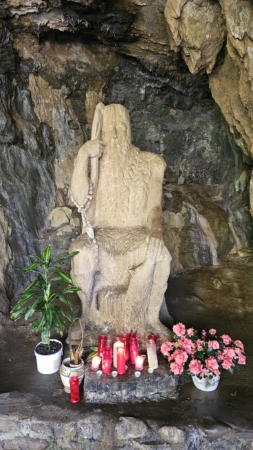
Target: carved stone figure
123,265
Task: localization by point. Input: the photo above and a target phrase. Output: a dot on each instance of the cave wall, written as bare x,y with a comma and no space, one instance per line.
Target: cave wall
60,58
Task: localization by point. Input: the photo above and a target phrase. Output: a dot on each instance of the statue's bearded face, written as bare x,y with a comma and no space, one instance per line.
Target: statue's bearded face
116,126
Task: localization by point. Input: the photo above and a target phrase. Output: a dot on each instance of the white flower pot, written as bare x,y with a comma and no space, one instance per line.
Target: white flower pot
68,371
47,364
207,384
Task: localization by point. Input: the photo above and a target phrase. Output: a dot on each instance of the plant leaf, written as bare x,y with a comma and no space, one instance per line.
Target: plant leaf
70,255
64,299
31,309
64,313
47,255
23,300
31,285
63,275
28,268
71,290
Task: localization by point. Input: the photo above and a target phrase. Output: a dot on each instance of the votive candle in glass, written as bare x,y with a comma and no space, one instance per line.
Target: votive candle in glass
101,344
95,363
117,344
125,339
106,360
121,364
74,389
139,363
134,351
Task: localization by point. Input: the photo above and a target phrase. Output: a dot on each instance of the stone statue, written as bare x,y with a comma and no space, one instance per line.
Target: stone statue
123,265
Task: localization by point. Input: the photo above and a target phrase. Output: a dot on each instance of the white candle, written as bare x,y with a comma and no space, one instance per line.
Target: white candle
116,345
95,363
139,363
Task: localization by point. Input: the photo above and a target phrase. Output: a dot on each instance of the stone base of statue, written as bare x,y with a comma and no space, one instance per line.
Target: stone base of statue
104,388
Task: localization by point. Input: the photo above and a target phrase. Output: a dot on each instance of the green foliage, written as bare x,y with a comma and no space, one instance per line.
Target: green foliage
43,295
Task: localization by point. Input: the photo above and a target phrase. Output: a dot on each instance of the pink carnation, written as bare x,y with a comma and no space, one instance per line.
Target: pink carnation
204,373
195,366
239,344
212,331
177,369
214,345
242,359
226,339
166,347
227,363
179,329
199,344
180,356
203,334
187,345
212,365
220,356
190,332
229,352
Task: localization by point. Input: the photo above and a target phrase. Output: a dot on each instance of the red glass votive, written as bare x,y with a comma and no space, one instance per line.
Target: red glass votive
121,364
101,344
107,360
134,351
125,339
152,336
74,389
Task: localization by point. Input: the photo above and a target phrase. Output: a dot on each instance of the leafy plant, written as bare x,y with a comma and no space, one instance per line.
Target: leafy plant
44,293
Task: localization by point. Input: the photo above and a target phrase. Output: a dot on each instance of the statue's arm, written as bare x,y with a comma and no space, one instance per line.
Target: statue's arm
80,182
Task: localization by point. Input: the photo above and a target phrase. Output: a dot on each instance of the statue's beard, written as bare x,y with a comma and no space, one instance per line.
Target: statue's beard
116,156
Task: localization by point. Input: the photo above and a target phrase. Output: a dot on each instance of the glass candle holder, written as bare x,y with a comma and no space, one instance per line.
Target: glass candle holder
134,351
152,355
95,363
117,344
121,364
107,360
125,339
139,363
74,389
101,344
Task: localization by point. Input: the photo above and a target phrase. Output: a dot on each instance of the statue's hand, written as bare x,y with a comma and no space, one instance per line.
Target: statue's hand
155,248
95,148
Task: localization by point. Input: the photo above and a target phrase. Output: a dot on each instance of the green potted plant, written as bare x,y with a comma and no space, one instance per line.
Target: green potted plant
42,298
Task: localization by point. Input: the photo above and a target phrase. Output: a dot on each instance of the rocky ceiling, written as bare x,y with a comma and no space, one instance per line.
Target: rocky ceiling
184,70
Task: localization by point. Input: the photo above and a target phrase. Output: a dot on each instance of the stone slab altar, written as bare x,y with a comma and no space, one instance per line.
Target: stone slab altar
127,388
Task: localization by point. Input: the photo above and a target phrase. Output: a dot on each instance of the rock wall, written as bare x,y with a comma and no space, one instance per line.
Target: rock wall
59,59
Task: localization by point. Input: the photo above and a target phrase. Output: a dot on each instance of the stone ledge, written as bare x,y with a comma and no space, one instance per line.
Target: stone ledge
128,388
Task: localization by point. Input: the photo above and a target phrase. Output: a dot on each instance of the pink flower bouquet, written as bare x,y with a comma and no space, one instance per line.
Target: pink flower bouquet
202,356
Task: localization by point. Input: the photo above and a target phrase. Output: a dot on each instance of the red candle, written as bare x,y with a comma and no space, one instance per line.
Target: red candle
107,360
125,339
101,344
121,364
134,351
74,390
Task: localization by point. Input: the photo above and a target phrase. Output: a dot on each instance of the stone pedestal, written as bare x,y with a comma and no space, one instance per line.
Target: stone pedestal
127,388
